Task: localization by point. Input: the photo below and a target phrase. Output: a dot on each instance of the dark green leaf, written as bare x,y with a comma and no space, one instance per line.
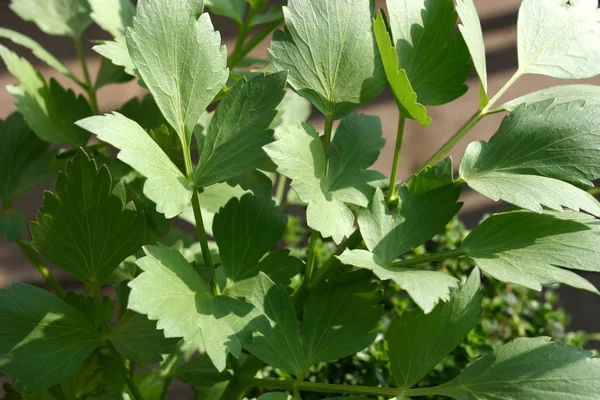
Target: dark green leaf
201,372
233,9
12,224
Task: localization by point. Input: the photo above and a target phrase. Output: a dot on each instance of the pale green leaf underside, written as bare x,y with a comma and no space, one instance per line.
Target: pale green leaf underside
330,52
179,56
406,97
559,38
166,185
470,28
533,249
528,368
116,51
559,94
171,292
45,340
417,342
55,17
114,16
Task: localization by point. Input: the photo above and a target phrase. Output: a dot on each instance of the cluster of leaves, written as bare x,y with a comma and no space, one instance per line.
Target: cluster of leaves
212,310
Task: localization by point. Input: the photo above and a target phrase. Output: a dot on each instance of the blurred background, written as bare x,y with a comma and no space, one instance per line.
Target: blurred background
499,26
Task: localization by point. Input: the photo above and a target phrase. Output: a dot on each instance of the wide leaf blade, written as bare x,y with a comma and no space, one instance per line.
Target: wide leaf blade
55,17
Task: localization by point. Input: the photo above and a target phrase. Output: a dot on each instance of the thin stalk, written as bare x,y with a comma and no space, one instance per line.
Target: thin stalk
240,384
328,128
471,122
135,392
311,257
324,387
90,88
297,393
391,194
167,371
258,38
245,29
280,191
202,237
351,242
43,270
413,262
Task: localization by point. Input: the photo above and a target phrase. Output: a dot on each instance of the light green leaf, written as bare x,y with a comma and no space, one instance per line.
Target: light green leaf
135,337
233,9
329,49
49,110
179,56
560,142
45,340
292,109
12,224
528,368
166,185
82,219
424,209
434,57
470,28
299,154
245,230
559,94
532,249
55,17
238,129
24,158
171,292
116,51
114,16
406,97
559,38
37,50
201,372
417,342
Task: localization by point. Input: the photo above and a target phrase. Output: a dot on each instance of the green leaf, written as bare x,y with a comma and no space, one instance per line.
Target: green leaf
433,55
532,249
45,340
145,112
55,17
275,14
82,219
201,372
292,109
238,129
559,38
37,50
348,328
245,230
110,73
330,52
406,97
166,185
49,110
276,396
537,146
417,342
116,51
173,293
299,154
232,9
12,224
114,16
24,158
179,56
528,368
559,94
136,338
424,209
473,36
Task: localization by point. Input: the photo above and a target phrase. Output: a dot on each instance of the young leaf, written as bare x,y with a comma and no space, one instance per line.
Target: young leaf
559,94
82,219
424,208
434,57
299,154
173,293
116,51
45,340
24,158
329,50
417,342
166,185
12,224
238,129
136,338
49,110
55,17
537,146
114,16
473,36
558,38
179,56
245,230
528,368
233,9
532,249
406,97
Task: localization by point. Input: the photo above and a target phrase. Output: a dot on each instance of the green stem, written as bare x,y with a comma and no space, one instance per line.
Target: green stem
297,393
245,29
89,86
258,38
322,273
328,128
413,262
466,128
240,384
325,387
311,255
391,194
135,392
280,191
201,231
169,366
43,270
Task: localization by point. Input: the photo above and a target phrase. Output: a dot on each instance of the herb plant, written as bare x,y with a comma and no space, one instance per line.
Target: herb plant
213,310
